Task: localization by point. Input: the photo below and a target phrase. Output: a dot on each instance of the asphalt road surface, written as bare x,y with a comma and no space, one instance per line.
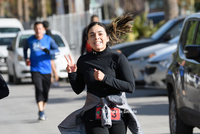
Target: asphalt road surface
19,112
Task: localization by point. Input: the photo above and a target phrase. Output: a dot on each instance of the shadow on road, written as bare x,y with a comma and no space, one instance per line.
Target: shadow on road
153,106
147,93
151,109
65,100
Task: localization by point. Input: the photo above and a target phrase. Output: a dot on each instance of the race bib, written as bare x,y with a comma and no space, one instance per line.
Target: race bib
115,113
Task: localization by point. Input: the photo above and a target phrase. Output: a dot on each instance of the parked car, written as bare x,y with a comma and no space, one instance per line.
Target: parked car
166,32
139,58
10,25
156,17
17,69
5,41
182,79
156,67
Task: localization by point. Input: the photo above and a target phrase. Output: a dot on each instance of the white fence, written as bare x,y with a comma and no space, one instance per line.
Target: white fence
71,26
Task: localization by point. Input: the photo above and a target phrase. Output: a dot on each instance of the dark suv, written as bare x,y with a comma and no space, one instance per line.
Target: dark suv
183,79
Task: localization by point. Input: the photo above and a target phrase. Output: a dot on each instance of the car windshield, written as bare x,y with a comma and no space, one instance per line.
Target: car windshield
56,37
162,29
9,30
6,40
58,40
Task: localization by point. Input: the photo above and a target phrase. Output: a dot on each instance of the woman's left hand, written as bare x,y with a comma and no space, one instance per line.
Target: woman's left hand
98,75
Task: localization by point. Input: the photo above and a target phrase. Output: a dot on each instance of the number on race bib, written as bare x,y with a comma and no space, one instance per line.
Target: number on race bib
115,113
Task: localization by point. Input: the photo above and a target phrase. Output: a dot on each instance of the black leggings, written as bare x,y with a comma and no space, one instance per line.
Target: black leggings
118,127
42,84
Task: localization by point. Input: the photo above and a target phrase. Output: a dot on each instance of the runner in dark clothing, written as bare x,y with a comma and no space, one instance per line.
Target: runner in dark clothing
105,72
46,26
85,48
41,48
54,74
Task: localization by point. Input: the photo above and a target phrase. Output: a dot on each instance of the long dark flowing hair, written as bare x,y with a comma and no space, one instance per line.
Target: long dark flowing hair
118,27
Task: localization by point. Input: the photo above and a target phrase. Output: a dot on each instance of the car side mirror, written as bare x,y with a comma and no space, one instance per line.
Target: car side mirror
192,51
10,48
167,37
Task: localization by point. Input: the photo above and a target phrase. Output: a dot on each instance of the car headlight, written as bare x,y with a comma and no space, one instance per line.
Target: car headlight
165,63
20,58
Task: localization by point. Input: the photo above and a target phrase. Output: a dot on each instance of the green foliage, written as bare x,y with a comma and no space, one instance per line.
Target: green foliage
142,28
190,34
197,6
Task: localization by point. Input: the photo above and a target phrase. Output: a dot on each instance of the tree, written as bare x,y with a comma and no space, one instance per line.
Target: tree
43,7
87,3
66,6
35,8
1,8
134,6
20,10
171,9
26,11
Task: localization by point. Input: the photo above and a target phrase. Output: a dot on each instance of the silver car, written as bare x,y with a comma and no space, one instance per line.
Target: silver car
156,67
139,58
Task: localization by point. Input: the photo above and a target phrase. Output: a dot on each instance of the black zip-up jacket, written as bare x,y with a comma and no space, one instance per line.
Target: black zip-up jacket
118,75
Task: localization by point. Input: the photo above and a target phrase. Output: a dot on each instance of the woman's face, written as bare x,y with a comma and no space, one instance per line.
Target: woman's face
97,38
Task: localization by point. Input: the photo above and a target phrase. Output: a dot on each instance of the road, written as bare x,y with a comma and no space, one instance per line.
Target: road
18,112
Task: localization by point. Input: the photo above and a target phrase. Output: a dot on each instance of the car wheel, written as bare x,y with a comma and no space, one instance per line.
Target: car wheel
15,79
175,123
10,78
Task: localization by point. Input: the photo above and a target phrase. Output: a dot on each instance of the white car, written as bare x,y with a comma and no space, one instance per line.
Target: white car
5,41
17,69
10,25
156,67
139,58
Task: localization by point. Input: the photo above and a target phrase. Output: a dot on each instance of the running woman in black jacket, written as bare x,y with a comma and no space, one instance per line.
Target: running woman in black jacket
104,71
